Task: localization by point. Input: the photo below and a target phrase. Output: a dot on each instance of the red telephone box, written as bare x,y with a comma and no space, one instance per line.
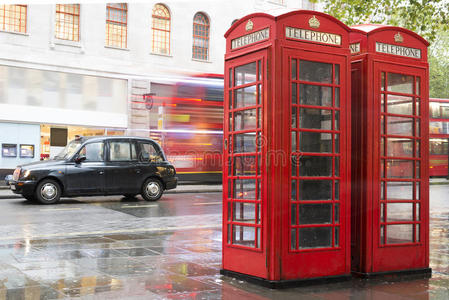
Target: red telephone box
286,189
390,180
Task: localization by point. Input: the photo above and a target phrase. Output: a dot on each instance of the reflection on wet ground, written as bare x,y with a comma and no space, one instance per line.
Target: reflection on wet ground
172,264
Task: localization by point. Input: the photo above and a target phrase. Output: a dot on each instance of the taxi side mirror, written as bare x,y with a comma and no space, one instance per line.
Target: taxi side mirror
79,159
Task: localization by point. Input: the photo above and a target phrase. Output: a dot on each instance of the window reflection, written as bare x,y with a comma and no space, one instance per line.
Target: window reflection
397,212
399,233
315,95
400,83
245,189
399,147
245,97
244,212
245,142
245,165
315,71
399,190
315,214
315,190
399,105
315,237
245,74
313,118
315,166
245,120
397,168
244,236
315,142
400,126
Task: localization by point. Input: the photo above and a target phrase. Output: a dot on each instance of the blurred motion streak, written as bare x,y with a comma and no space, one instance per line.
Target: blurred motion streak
186,118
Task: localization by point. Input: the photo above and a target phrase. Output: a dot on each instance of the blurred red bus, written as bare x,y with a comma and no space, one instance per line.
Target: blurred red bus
186,117
439,137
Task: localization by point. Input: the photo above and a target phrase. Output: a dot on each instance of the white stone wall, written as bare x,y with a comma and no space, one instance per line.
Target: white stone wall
39,47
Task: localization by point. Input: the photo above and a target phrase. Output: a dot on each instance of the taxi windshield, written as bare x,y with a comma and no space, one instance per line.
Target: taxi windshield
69,150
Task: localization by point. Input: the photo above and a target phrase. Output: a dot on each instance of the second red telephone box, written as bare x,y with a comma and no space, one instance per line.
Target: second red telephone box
390,179
286,190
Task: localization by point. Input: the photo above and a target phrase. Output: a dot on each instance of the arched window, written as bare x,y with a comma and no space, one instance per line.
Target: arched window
116,24
161,29
200,47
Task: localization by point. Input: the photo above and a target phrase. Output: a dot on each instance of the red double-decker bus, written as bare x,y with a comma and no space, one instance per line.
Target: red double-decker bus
439,137
185,115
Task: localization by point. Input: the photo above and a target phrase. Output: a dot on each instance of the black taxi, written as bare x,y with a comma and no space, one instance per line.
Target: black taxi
89,166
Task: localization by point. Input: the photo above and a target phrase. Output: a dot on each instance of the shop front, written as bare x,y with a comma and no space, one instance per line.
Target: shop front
54,138
40,110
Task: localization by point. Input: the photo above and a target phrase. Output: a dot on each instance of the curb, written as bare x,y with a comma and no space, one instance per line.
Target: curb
11,197
439,183
197,191
14,196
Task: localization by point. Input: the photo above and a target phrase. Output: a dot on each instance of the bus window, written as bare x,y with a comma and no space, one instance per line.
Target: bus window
434,110
438,110
438,147
444,111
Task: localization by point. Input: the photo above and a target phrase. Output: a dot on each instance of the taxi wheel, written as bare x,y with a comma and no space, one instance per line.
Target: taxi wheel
152,189
48,191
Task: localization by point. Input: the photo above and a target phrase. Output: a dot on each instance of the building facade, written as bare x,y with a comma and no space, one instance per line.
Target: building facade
68,69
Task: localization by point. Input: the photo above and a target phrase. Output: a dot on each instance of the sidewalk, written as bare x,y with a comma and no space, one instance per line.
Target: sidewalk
6,193
437,181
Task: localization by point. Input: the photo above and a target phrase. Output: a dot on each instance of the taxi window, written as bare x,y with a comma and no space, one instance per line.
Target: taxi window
122,151
148,153
93,152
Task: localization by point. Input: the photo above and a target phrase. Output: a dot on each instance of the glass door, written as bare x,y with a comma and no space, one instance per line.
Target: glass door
401,190
316,199
244,144
400,159
315,155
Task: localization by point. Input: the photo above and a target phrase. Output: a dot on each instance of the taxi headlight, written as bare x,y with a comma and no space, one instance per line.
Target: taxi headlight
26,174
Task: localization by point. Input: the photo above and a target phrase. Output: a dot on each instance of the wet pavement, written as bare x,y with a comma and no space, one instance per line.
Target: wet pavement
117,248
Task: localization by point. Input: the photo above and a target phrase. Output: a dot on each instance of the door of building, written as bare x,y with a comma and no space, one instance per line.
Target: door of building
315,240
244,214
400,152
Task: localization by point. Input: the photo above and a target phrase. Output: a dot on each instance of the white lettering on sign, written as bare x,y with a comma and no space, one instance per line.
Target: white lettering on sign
355,48
398,50
314,36
250,38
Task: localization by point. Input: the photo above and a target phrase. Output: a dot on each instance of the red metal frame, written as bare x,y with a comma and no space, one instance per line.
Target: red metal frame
234,247
67,30
390,151
161,29
333,259
261,37
13,17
